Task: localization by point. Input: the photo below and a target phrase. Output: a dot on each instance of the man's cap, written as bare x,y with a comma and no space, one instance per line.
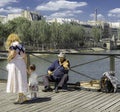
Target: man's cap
61,55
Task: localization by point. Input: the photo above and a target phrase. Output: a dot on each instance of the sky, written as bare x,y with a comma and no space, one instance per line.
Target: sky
83,10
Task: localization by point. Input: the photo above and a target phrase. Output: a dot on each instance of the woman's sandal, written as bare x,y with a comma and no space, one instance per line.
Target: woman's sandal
21,99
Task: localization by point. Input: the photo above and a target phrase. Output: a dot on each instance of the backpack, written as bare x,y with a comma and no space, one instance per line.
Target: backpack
108,82
106,85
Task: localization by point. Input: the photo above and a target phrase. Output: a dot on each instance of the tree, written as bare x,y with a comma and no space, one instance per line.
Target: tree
96,34
3,34
21,26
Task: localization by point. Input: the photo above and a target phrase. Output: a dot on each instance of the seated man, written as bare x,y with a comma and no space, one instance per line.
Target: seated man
58,73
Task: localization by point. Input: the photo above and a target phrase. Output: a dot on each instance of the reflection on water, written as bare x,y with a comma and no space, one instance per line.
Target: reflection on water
94,69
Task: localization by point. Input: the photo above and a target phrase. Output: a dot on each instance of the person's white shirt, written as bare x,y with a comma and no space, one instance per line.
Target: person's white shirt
33,79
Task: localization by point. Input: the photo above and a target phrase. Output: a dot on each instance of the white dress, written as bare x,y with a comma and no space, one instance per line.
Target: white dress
17,74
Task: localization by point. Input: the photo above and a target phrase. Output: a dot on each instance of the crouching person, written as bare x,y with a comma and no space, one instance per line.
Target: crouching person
58,73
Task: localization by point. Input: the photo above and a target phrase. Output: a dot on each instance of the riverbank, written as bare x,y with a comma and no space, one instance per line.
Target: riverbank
94,49
97,49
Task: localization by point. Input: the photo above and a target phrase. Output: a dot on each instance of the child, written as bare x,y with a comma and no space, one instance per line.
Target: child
33,82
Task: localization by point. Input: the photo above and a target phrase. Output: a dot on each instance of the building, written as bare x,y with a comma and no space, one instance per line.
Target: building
30,15
3,18
12,16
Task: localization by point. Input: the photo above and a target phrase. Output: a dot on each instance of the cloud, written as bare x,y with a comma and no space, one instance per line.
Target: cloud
115,11
99,16
65,14
56,5
6,2
61,8
114,14
10,10
61,14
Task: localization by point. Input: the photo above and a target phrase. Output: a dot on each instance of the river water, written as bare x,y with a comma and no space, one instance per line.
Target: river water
94,69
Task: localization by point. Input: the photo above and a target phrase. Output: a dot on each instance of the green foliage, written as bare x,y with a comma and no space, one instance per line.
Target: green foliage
96,34
50,35
1,30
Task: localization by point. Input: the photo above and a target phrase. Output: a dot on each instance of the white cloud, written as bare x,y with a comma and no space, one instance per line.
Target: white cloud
61,14
60,4
10,10
77,11
65,14
62,8
99,16
2,10
115,11
114,14
6,2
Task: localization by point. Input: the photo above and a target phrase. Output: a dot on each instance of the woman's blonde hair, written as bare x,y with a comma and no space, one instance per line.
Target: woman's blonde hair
11,38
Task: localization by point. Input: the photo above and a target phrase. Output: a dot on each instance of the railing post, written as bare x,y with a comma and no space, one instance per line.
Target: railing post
28,64
28,60
112,63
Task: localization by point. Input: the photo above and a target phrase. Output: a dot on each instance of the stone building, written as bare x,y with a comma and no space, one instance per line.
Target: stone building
30,15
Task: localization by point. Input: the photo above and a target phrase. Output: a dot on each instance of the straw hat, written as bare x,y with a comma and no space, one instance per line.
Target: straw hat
61,55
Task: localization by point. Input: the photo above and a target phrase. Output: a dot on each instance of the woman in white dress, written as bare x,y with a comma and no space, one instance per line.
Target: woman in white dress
17,73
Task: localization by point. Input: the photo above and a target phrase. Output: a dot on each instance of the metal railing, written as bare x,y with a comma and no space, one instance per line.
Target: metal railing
111,57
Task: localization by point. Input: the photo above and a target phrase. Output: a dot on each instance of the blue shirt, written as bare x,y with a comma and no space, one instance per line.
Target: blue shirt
58,70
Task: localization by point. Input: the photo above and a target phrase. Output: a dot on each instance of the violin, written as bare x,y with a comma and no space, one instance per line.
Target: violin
66,64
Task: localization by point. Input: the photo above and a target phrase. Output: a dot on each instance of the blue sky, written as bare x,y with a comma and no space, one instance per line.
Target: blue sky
83,10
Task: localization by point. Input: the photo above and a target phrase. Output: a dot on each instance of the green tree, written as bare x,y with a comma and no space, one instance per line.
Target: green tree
96,34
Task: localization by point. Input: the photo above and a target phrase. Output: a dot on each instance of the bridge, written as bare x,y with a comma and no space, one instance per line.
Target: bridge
70,101
74,100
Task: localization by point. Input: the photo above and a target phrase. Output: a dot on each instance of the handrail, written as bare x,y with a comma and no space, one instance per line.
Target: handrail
103,54
70,53
69,69
89,62
111,56
42,58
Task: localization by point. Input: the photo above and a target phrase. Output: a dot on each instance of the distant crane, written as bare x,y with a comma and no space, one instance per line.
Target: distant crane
95,15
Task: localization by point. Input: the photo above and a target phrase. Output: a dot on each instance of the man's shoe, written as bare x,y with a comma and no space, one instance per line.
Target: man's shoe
47,89
50,89
56,90
64,90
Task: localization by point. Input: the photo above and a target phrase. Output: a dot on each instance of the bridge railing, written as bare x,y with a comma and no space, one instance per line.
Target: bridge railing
76,69
110,57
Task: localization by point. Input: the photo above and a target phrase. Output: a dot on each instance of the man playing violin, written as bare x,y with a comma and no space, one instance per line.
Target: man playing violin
58,73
